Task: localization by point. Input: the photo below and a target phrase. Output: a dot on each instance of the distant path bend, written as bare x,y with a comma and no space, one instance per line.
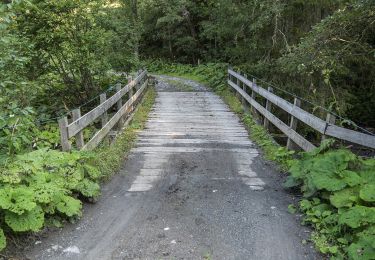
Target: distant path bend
194,187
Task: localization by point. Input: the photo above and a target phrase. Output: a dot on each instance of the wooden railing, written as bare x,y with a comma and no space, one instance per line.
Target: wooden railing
249,89
79,122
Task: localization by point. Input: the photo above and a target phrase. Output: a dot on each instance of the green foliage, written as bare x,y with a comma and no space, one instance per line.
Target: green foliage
2,239
31,220
341,71
272,150
54,56
41,184
321,50
339,190
72,47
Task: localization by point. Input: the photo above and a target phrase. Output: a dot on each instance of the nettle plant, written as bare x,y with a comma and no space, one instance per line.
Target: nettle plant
42,187
339,191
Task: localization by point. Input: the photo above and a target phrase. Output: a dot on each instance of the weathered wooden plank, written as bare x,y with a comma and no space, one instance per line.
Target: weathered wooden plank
63,124
244,102
330,119
266,123
79,136
293,124
253,111
350,135
98,137
104,116
238,84
297,138
131,91
88,118
119,106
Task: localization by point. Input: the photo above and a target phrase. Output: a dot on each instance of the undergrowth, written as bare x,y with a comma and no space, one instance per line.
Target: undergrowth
339,200
338,186
46,187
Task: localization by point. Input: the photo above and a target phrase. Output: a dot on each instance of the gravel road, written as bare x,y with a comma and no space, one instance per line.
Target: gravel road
194,187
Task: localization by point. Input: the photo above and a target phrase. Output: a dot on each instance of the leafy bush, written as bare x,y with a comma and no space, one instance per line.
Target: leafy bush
339,191
44,185
16,129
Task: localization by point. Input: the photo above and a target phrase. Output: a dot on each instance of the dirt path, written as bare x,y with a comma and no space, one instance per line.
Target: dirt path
194,187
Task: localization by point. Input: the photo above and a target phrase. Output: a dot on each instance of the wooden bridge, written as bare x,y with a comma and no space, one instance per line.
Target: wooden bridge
247,90
193,186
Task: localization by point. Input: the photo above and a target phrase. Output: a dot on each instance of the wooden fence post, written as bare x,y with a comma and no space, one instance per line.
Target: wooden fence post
244,102
238,83
131,91
331,120
139,84
119,106
293,125
266,123
79,136
253,110
63,123
104,117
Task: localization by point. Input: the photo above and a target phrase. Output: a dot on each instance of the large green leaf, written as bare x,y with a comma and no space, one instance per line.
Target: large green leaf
364,247
3,241
17,200
88,188
357,215
351,178
68,205
10,175
29,221
344,198
367,192
327,180
367,175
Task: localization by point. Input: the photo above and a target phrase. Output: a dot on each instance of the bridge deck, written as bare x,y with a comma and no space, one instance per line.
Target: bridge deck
194,187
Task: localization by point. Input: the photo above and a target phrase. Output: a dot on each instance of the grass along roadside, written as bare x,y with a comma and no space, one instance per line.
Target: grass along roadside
109,158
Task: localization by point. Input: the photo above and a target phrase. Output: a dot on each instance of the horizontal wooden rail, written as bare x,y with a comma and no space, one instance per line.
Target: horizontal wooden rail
75,128
98,137
298,139
323,127
91,116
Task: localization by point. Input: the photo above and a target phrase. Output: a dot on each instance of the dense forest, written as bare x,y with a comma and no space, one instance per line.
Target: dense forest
321,50
57,55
